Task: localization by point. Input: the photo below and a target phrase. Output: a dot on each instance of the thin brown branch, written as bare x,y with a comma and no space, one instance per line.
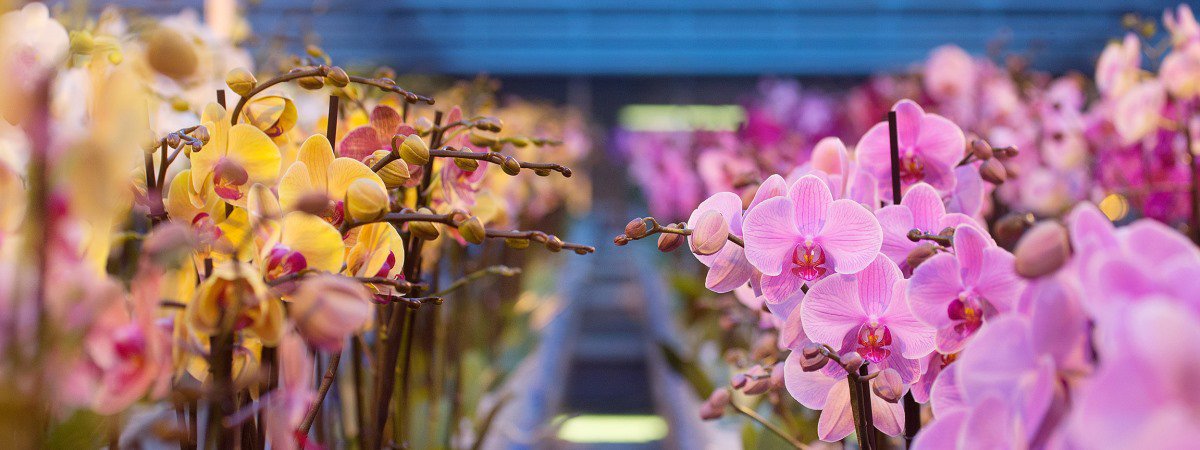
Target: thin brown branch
326,383
498,158
768,425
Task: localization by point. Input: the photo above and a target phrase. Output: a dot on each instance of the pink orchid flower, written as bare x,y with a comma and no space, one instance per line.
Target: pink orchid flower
805,235
460,186
1182,25
930,147
956,293
920,209
831,161
728,268
830,394
287,404
1143,395
384,124
1120,267
1008,387
1119,65
950,74
866,313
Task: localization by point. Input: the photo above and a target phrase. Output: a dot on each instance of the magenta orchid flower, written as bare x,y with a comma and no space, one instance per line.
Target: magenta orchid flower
920,209
831,161
956,293
866,313
930,147
805,235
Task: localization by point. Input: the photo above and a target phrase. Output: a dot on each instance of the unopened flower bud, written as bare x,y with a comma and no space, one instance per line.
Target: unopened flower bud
472,230
311,83
852,360
636,228
1042,250
668,242
777,381
554,244
888,385
542,172
710,234
714,407
466,164
240,81
511,166
170,53
764,347
489,124
424,230
919,255
337,77
1010,228
519,142
993,171
314,51
481,140
519,243
313,203
413,150
422,125
812,359
328,308
394,174
981,149
758,381
201,133
366,201
179,104
1007,152
172,140
168,244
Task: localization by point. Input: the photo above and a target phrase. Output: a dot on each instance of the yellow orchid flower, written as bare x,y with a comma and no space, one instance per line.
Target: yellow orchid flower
235,287
377,251
217,232
299,242
234,158
247,360
274,114
316,171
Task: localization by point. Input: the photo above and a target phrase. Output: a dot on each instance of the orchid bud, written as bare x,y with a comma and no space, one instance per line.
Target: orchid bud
472,230
777,381
366,201
621,240
739,380
714,407
710,234
1010,228
516,243
201,133
812,359
337,77
765,346
168,244
511,166
314,51
423,125
424,230
668,242
481,140
313,203
554,244
489,124
888,385
327,308
311,83
172,140
757,381
170,53
993,171
852,360
394,174
981,149
240,81
466,164
541,172
636,228
519,142
1042,250
919,255
1007,152
414,150
180,104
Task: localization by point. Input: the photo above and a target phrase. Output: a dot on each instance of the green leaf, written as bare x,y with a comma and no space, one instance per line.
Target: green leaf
84,429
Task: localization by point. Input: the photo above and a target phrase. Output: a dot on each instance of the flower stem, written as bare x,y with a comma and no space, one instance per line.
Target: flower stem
768,425
326,383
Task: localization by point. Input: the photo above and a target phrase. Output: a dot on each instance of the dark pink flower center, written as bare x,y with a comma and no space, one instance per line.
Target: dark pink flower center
808,262
206,228
967,313
129,342
228,177
912,168
873,342
335,214
387,265
283,261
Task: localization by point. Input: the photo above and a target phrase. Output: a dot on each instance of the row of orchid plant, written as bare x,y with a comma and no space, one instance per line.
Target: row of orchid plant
884,289
187,251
